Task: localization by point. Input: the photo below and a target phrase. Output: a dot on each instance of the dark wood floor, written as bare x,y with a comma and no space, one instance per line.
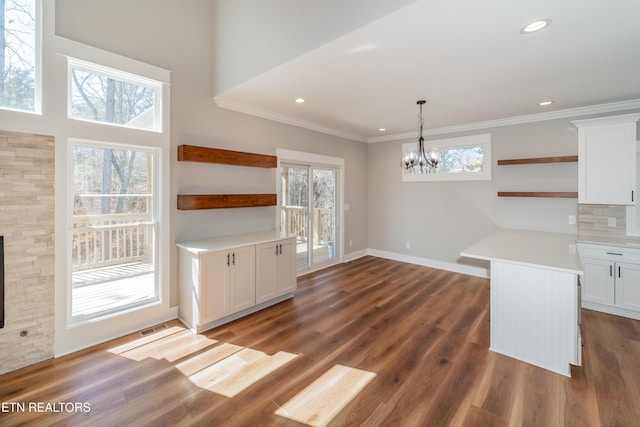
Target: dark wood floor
371,342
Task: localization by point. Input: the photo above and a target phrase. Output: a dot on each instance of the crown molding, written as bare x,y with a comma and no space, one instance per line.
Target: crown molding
282,118
516,120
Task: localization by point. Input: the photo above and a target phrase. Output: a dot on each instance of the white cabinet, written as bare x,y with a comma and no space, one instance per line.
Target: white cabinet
218,278
275,269
607,160
224,281
611,281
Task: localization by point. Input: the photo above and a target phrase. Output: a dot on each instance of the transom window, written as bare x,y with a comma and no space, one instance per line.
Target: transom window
104,95
20,55
465,158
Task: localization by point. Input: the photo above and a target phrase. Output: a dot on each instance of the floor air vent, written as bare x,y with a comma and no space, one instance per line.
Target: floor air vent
153,330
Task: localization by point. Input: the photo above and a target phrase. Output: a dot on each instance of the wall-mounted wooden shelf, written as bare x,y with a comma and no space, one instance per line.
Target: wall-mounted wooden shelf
192,153
539,160
188,202
550,194
534,160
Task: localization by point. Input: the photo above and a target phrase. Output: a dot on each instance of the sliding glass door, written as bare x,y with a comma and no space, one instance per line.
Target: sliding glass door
308,209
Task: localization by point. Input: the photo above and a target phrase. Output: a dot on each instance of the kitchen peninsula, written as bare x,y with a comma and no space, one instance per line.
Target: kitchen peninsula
535,296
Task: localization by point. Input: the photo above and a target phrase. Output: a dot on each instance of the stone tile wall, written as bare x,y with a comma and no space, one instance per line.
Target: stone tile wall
593,222
27,224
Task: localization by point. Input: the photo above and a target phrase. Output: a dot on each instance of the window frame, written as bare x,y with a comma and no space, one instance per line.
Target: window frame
472,141
121,76
37,77
156,153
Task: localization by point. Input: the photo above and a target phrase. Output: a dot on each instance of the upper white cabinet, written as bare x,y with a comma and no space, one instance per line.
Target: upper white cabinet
607,160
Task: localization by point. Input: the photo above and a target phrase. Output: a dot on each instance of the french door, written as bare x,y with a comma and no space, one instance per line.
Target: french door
308,209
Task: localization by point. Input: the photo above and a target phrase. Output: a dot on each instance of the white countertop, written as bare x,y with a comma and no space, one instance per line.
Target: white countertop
554,251
234,241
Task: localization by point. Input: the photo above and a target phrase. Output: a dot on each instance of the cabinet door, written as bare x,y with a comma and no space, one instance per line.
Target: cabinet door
214,286
242,288
607,164
287,263
266,272
627,285
598,281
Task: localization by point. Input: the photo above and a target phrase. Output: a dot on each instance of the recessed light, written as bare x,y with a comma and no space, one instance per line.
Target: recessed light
545,103
382,129
299,100
536,25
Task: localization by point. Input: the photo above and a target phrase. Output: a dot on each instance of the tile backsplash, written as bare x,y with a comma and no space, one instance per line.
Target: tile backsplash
593,221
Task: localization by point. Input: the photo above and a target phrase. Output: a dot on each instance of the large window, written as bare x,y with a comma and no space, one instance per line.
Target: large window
101,94
465,158
114,229
20,55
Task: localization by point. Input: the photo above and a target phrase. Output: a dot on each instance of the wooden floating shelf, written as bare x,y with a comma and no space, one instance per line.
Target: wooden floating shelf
550,194
187,202
534,160
192,153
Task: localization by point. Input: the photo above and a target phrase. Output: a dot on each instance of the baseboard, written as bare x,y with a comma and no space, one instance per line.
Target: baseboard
355,255
611,310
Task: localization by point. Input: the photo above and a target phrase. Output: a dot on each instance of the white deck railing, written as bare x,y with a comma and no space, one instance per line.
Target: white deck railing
294,220
110,239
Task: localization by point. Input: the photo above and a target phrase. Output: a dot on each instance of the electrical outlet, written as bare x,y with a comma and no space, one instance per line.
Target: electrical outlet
350,243
611,222
572,219
408,245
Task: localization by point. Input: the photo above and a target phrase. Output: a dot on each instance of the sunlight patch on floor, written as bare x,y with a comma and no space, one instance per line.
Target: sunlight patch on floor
238,371
323,399
143,347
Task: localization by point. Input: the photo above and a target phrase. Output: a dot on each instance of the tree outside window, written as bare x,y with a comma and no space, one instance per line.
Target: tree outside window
18,54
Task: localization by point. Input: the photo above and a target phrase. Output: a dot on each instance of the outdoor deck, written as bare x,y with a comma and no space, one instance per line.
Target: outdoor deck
107,288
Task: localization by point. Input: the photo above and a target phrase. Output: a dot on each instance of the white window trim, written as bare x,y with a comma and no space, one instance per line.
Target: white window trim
482,140
72,321
119,75
69,339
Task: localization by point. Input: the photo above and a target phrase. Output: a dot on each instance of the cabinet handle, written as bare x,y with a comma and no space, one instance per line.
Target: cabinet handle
632,195
277,250
228,260
614,253
233,258
280,249
610,270
619,275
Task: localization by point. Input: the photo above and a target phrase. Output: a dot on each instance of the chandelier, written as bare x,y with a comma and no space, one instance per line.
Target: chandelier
421,162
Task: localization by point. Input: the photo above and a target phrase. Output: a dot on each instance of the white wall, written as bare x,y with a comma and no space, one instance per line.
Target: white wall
269,33
439,219
179,36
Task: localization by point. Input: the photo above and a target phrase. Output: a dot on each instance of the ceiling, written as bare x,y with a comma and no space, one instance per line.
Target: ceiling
467,59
